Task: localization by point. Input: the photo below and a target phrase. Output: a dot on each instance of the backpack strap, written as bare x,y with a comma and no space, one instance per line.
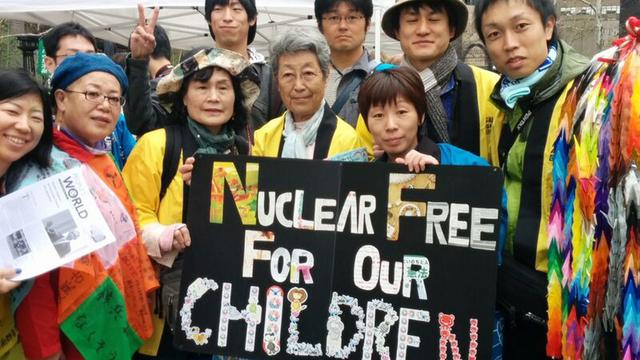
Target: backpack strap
276,107
171,157
466,116
189,148
344,95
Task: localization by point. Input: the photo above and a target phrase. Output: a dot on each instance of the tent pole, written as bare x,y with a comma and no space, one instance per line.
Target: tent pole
376,19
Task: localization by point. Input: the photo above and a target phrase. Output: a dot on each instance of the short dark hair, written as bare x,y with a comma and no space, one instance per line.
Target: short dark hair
322,7
52,38
544,7
179,112
249,7
16,83
120,58
383,88
193,51
163,45
436,6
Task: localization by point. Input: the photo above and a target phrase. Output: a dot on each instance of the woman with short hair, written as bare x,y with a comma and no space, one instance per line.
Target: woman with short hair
308,129
392,104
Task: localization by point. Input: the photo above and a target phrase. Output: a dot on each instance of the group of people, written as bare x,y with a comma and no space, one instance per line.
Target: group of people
319,95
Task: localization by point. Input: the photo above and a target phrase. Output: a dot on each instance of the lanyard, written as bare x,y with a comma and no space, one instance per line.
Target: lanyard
508,137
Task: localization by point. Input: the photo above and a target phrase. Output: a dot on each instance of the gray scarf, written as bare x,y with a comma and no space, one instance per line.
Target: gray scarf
434,79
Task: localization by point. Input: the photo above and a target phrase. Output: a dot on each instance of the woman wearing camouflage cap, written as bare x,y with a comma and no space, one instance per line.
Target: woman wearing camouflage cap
208,96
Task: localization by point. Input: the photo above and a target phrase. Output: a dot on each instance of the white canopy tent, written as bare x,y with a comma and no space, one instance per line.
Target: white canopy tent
114,20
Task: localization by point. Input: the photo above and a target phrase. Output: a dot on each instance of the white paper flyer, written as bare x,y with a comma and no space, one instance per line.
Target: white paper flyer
51,223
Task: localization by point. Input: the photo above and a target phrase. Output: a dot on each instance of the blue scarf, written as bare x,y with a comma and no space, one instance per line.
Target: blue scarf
512,90
295,144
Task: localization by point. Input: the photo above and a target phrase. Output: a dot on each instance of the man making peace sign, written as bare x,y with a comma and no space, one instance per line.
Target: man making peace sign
148,63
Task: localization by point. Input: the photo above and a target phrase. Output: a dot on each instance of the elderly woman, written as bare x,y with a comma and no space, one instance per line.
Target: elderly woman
308,129
52,317
209,96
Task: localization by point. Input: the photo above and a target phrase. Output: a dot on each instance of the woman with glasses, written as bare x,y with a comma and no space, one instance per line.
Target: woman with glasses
88,91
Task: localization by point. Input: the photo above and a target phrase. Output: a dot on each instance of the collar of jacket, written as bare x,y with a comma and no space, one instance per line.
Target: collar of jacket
569,65
255,57
324,136
366,63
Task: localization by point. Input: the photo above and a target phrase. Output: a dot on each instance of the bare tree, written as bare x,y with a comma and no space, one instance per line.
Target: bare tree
9,53
628,8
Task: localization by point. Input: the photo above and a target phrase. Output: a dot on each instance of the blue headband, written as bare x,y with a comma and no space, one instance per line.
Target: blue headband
80,64
384,66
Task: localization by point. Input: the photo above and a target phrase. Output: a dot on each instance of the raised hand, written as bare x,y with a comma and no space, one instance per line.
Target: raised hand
142,42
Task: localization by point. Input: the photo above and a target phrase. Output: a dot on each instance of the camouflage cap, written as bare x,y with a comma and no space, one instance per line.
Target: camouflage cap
234,63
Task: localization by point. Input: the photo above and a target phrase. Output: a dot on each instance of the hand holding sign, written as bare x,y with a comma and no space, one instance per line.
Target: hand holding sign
186,169
416,161
181,238
142,41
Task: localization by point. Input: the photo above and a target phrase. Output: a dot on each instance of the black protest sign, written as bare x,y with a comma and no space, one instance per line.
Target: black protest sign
425,284
306,259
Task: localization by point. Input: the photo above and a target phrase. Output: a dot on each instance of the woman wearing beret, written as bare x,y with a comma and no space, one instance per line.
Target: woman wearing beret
208,96
98,304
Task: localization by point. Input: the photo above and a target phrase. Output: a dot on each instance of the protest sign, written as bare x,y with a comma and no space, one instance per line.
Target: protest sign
294,258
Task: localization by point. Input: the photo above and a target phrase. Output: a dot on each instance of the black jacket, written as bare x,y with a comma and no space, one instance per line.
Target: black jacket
142,109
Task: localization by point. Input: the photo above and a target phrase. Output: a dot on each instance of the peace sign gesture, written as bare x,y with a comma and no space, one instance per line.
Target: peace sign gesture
142,41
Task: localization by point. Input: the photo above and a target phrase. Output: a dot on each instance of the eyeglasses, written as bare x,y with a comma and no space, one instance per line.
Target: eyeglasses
335,19
97,98
64,56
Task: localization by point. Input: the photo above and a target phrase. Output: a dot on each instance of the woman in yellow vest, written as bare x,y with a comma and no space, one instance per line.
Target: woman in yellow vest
308,129
209,96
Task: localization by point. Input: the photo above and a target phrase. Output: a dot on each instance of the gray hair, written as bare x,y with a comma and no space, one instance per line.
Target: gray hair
299,39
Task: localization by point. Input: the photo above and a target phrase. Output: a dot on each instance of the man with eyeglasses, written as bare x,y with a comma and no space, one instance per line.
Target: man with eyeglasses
67,39
458,108
344,24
